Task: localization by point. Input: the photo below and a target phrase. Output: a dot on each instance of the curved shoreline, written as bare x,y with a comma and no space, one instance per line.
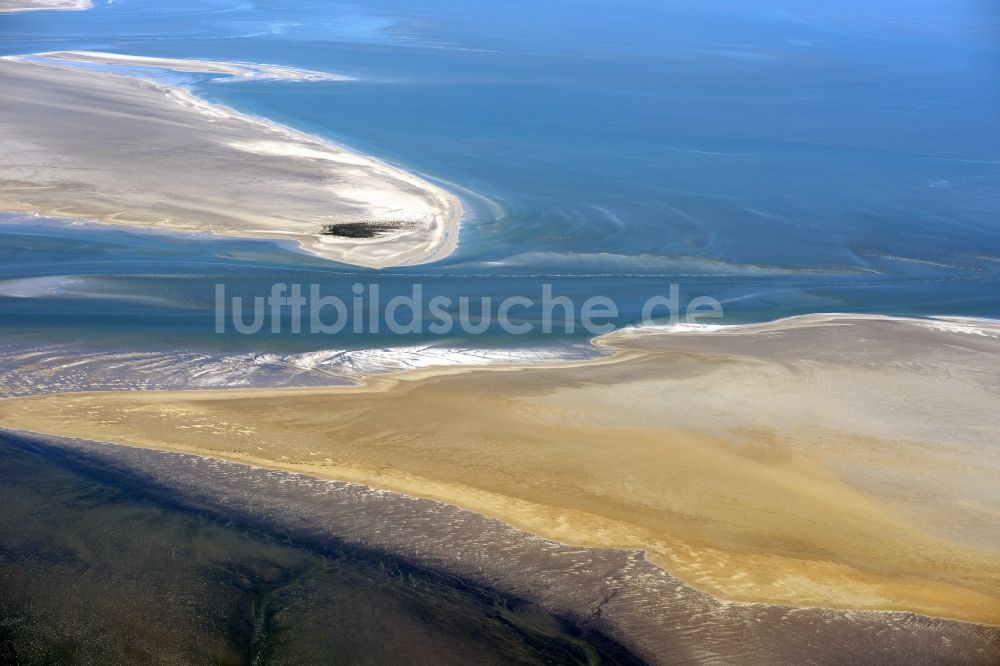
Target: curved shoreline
205,167
35,370
549,442
974,325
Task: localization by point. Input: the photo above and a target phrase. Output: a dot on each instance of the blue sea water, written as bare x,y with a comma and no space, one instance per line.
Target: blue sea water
782,157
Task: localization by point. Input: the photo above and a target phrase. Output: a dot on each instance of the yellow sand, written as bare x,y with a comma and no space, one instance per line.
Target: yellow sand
854,475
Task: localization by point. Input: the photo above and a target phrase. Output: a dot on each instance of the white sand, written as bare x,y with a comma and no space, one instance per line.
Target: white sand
82,144
236,70
10,6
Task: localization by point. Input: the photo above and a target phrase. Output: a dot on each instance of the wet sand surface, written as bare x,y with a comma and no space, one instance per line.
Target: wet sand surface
102,564
848,463
84,144
616,594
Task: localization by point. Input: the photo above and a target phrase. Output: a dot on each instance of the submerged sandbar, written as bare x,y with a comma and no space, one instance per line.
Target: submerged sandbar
123,150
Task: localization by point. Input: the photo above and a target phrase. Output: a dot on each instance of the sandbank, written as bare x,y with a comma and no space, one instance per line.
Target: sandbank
129,151
11,6
844,462
236,70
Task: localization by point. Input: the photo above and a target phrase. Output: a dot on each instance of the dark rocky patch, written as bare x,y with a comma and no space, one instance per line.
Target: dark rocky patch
370,229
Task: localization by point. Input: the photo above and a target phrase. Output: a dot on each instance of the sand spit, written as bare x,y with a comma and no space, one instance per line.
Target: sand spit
11,6
235,70
847,464
617,593
123,150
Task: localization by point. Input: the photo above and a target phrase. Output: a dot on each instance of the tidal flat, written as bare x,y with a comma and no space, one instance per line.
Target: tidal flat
132,553
103,561
843,462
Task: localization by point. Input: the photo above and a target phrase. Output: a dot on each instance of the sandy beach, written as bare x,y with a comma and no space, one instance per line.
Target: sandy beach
10,6
844,462
129,151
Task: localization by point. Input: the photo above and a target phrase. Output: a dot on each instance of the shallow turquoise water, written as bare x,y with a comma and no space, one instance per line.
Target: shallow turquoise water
839,157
